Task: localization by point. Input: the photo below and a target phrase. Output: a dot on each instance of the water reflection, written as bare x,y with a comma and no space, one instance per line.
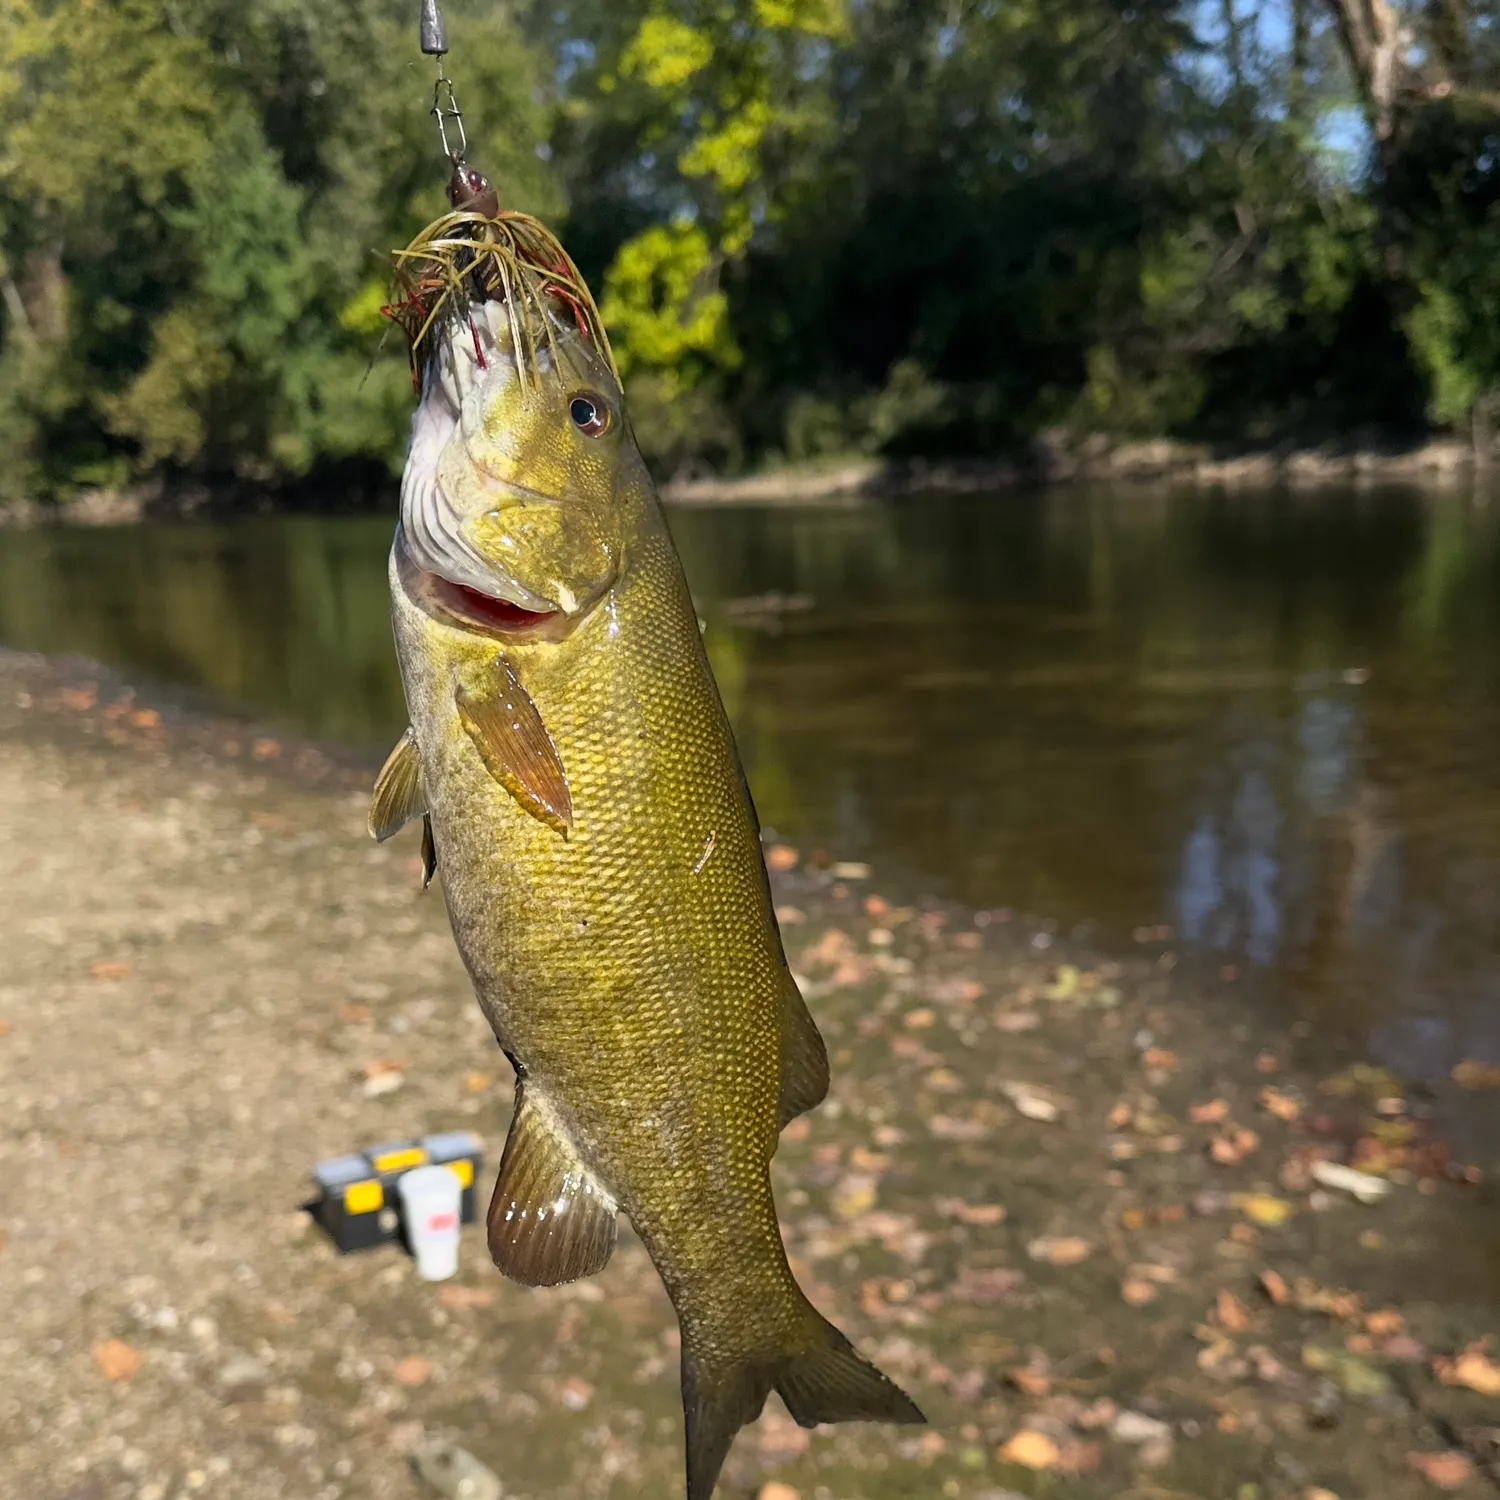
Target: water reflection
1268,720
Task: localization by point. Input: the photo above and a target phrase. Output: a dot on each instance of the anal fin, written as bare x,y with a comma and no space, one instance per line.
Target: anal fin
550,1219
512,741
804,1058
398,795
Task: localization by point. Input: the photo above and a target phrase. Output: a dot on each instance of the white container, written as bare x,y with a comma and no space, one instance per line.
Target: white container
431,1198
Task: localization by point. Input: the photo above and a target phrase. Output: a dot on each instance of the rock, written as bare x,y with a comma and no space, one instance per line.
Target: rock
241,1373
1136,1427
1359,1185
456,1473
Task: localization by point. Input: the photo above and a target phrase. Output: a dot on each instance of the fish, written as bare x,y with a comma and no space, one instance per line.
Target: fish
585,807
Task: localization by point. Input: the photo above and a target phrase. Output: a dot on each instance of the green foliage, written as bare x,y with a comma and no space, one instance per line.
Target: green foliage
817,227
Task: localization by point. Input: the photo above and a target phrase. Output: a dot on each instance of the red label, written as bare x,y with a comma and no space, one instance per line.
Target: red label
441,1223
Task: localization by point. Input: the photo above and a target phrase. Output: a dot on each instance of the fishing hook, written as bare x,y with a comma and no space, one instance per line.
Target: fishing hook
432,32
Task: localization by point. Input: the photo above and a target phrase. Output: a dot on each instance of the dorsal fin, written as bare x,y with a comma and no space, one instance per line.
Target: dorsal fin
398,795
551,1219
515,747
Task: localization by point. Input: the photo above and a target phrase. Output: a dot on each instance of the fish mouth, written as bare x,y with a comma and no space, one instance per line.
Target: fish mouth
489,612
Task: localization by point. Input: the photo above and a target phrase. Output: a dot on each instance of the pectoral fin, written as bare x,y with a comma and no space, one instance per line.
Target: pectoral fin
398,796
551,1219
516,749
804,1058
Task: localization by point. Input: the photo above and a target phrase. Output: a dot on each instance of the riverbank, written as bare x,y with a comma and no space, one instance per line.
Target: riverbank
1080,1203
1049,461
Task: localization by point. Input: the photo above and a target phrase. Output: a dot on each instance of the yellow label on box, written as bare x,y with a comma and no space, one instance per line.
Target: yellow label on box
399,1161
363,1197
463,1169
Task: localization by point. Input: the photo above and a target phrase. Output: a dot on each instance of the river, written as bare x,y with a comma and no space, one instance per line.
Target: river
1266,721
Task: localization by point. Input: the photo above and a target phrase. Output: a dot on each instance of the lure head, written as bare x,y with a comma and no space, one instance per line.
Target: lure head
523,476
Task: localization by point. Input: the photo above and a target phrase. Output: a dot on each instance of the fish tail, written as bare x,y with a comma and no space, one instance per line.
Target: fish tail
830,1382
823,1380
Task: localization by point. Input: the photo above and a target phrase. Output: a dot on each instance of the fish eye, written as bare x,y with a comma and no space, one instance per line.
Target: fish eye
590,414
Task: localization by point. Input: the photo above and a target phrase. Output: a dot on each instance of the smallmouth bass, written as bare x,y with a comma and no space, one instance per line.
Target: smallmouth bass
600,856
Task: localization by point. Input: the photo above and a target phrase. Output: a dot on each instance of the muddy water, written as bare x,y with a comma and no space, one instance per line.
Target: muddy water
1267,722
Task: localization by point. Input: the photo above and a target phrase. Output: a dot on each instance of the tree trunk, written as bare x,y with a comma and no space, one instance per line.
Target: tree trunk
1376,43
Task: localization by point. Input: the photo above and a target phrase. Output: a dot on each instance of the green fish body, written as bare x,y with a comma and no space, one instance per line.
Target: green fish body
601,863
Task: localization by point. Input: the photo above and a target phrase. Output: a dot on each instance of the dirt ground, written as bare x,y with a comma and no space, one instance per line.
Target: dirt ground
1071,1200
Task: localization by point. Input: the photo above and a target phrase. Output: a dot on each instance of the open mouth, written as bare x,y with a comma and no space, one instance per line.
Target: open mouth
469,606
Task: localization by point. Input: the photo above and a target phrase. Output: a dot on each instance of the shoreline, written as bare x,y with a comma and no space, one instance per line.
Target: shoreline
1441,462
1076,1200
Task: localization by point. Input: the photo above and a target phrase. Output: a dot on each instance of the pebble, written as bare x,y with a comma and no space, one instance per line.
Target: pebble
456,1473
239,1373
1137,1427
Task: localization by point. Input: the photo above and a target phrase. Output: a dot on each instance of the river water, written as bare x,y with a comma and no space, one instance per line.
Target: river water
1266,721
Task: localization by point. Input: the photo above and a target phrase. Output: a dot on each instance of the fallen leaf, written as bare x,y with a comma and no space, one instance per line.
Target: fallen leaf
1214,1112
1275,1288
1031,1450
1031,1379
352,1013
1263,1209
782,857
477,1083
920,1018
1473,1074
265,749
462,1298
145,718
109,969
798,1129
854,1195
1473,1368
1233,1146
5,1027
1445,1470
1280,1104
1231,1312
1064,1250
1266,1063
1138,1293
1384,1323
985,1286
1159,1059
116,1359
971,1213
411,1371
851,869
776,1490
80,700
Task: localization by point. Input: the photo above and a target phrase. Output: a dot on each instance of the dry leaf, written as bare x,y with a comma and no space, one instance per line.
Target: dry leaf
1280,1104
1119,1117
781,857
1263,1209
1274,1287
413,1370
1473,1368
109,970
1473,1074
461,1298
1214,1112
1138,1293
1064,1250
1231,1312
970,1213
352,1013
1159,1059
921,1018
1031,1450
776,1490
1446,1470
1030,1379
477,1083
1384,1323
116,1359
265,749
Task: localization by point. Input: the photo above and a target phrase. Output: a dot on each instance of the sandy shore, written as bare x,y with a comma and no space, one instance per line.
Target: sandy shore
1067,1198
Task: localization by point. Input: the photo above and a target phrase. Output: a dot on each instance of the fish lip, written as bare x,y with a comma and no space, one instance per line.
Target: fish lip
456,604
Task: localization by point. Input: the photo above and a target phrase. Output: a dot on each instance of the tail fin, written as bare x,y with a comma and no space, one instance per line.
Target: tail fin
831,1383
827,1382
